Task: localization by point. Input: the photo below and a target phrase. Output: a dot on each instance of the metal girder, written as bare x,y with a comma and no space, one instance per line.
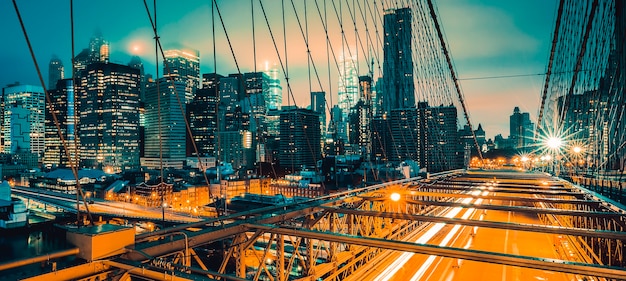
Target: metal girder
145,272
157,248
460,253
519,209
47,257
507,190
490,224
73,273
502,185
508,198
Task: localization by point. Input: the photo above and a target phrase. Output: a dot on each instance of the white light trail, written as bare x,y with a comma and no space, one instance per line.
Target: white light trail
392,269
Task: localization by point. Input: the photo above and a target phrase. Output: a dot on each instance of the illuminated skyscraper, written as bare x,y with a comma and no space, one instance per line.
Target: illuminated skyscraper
23,123
399,88
109,117
164,140
348,93
275,91
62,105
98,51
202,112
521,129
135,62
183,65
299,139
318,105
55,72
438,140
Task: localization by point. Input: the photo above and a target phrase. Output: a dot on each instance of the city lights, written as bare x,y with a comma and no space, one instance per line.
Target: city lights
554,142
395,197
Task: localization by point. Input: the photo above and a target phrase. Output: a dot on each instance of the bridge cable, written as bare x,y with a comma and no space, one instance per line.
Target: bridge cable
79,191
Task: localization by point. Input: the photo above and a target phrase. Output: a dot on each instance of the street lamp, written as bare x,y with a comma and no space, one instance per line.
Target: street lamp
554,142
395,197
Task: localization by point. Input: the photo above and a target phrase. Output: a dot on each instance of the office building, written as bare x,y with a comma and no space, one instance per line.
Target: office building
109,117
318,105
55,72
521,129
165,128
23,119
183,65
275,98
202,114
439,148
398,84
299,139
63,107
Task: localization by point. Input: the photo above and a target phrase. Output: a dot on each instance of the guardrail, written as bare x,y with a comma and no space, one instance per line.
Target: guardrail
613,189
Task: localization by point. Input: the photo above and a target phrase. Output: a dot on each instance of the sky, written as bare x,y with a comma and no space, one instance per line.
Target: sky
486,38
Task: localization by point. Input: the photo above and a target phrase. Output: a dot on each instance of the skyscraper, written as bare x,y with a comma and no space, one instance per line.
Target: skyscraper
438,138
109,117
299,139
348,92
165,125
98,51
398,84
254,102
24,116
230,89
135,62
62,98
183,65
318,105
275,91
202,112
361,118
521,129
55,72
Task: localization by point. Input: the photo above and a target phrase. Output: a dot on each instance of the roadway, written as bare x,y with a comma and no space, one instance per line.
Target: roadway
394,265
102,207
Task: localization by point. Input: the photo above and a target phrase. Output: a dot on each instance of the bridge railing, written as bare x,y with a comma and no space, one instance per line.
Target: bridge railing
611,188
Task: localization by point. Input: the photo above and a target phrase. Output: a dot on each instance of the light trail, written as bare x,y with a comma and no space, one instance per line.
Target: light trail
392,269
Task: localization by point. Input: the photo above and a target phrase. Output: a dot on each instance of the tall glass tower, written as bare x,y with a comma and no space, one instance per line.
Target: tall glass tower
275,91
398,84
164,140
55,72
109,117
183,65
23,123
63,107
348,93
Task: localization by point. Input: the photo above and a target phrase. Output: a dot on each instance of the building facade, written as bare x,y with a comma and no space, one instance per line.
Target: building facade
398,84
109,117
56,72
63,107
23,122
521,128
183,65
299,139
164,125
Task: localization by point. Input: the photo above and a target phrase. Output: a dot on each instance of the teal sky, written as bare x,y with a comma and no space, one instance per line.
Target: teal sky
486,38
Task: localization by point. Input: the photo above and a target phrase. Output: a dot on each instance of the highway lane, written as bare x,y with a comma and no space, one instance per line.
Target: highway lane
409,266
100,206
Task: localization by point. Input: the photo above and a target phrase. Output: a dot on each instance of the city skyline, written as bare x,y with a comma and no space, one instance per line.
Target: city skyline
486,39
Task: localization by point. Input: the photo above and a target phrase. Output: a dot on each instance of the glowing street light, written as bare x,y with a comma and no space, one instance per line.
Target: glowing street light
395,197
554,142
577,149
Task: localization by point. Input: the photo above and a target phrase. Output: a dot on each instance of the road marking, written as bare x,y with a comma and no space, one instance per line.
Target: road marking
506,242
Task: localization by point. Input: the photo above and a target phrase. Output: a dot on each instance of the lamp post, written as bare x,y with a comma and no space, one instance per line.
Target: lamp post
554,144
